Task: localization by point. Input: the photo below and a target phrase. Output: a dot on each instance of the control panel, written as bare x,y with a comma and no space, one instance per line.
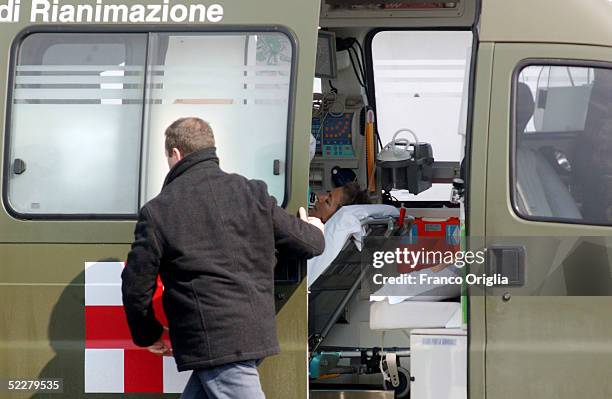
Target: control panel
335,137
339,145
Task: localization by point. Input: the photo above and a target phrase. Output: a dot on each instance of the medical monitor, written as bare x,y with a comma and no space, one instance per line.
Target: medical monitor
326,56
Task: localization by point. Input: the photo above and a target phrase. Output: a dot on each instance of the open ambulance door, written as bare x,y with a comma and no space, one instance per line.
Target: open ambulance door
86,107
541,179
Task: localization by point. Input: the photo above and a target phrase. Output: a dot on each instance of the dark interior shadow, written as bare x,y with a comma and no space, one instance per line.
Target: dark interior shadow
288,275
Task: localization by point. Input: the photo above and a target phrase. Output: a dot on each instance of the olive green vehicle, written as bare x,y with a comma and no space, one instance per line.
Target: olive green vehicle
88,90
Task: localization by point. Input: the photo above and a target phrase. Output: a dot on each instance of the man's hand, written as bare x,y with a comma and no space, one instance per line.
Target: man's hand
160,348
312,220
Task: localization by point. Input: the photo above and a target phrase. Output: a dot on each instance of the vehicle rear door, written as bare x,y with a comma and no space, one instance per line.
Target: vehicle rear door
548,204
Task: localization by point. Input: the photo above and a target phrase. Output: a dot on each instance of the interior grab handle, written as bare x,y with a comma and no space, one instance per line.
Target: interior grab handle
19,166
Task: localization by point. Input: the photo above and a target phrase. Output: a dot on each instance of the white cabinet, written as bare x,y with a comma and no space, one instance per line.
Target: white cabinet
438,364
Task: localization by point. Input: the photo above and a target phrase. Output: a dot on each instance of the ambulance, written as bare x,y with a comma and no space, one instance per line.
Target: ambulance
510,100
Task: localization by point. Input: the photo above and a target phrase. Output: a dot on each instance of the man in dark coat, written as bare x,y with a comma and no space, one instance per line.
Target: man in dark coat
212,238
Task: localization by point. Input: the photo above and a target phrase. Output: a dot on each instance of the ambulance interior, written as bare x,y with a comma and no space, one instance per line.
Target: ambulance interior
390,112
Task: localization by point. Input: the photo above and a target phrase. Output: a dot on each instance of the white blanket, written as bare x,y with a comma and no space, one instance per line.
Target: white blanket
344,224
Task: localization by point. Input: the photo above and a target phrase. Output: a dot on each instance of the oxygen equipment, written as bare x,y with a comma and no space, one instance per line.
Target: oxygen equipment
405,165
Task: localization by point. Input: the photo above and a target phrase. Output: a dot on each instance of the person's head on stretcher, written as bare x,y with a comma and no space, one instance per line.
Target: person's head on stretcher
328,203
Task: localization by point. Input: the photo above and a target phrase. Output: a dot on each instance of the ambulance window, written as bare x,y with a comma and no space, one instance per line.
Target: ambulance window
563,143
239,83
83,142
75,124
421,83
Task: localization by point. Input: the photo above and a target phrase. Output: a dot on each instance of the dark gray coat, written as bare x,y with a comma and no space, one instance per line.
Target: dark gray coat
211,236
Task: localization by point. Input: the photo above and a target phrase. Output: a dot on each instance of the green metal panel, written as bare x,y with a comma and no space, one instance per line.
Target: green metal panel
547,21
43,321
42,262
539,346
476,211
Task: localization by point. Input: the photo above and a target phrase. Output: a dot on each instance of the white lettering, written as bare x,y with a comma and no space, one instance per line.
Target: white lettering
389,258
489,281
446,280
154,10
215,13
40,8
9,12
163,12
377,259
81,10
66,14
174,11
119,13
402,279
54,10
98,16
137,13
200,10
481,257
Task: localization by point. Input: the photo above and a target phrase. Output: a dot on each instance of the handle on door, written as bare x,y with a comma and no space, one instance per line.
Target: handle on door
19,166
507,261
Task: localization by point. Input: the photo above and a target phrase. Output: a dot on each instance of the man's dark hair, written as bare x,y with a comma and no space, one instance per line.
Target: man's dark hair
354,195
189,135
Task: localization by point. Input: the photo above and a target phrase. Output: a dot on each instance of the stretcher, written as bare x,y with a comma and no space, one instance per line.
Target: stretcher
339,269
342,278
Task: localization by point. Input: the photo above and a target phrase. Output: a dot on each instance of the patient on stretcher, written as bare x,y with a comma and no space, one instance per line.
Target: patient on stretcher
329,203
343,221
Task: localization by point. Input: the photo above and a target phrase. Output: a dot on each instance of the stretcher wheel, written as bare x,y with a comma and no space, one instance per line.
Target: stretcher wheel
403,389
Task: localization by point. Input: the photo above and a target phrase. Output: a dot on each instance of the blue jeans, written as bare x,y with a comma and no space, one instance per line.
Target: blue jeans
238,380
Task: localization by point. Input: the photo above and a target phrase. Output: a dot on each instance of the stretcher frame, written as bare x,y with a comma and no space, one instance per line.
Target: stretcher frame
373,360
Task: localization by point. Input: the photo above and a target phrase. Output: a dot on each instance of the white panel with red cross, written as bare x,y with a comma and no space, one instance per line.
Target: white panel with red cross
112,362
